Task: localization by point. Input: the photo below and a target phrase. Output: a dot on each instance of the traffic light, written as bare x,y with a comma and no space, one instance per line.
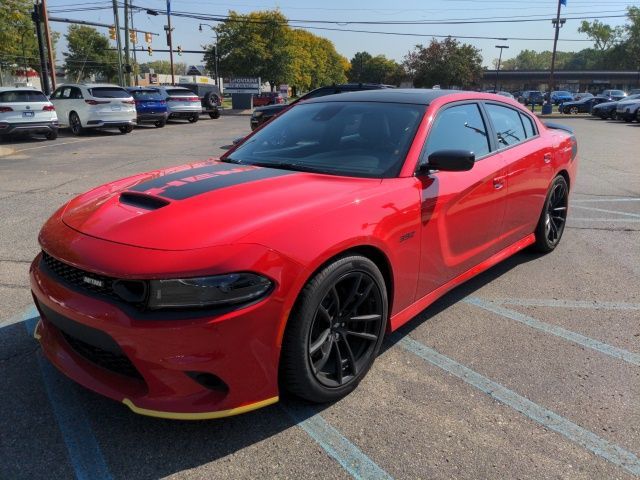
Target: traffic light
147,37
112,32
149,50
133,36
179,50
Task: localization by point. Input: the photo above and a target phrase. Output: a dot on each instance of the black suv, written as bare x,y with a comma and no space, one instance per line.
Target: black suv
209,97
264,114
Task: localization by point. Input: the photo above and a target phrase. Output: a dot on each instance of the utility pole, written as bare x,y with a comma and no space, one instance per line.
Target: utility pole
135,58
169,41
44,72
47,37
557,23
501,47
116,18
127,61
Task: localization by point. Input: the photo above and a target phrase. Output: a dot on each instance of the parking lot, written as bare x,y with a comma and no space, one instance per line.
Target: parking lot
530,370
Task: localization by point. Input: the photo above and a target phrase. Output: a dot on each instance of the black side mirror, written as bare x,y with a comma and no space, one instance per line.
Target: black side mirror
449,161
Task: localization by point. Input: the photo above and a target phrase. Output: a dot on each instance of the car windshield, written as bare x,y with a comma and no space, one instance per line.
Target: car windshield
22,96
562,92
617,93
109,92
146,95
357,139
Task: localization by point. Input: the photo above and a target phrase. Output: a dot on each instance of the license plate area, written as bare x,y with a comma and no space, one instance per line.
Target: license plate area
28,114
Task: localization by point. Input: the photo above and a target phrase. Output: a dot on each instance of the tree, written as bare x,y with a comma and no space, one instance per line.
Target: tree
254,45
602,34
378,69
447,63
163,66
88,53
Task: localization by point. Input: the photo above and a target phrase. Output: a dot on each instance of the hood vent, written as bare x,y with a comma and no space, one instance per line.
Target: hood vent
142,200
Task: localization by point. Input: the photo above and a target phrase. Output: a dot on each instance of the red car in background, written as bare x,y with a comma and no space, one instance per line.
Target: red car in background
268,98
200,291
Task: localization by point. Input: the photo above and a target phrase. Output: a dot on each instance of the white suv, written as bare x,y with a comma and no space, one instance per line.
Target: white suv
182,103
27,110
94,105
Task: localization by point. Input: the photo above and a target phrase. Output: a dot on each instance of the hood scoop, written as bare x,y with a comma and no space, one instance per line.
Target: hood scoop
143,200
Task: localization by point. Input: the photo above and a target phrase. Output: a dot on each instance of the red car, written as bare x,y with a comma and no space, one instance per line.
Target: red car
267,98
200,291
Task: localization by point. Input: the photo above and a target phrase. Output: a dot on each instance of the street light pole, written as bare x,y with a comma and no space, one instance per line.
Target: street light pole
501,47
170,41
215,51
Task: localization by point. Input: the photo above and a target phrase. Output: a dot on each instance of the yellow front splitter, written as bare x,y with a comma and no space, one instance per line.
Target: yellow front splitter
199,415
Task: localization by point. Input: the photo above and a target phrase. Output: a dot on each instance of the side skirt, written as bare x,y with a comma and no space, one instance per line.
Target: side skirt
411,311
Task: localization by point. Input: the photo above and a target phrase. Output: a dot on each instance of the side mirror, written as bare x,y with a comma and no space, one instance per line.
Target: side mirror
449,161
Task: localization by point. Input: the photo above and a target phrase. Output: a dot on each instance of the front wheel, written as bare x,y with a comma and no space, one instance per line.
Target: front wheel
335,331
574,110
553,217
75,124
51,135
193,118
126,129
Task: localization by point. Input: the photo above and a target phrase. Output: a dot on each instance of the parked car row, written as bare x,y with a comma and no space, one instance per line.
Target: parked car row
627,109
90,106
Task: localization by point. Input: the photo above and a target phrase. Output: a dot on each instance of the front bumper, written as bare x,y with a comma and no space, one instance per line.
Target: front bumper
28,127
240,348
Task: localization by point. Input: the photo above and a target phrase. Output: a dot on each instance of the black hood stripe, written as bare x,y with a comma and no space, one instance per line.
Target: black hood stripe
189,183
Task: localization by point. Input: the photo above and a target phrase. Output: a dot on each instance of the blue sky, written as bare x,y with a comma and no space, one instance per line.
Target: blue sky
187,35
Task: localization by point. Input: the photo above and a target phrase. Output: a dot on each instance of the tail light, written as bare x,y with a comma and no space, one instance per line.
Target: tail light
96,102
173,99
129,102
48,108
6,109
193,99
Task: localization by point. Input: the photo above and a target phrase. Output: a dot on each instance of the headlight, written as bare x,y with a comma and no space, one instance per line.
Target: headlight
257,114
230,289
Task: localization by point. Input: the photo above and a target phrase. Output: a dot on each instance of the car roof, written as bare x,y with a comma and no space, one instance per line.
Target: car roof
23,89
420,96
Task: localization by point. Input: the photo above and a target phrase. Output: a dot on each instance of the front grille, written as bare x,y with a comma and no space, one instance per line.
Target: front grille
111,361
80,278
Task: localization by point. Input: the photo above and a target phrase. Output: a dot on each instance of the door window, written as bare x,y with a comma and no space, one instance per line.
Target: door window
506,121
529,129
460,127
76,94
66,93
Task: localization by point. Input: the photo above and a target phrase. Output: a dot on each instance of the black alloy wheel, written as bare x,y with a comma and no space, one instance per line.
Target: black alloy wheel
574,110
554,216
160,123
75,124
335,331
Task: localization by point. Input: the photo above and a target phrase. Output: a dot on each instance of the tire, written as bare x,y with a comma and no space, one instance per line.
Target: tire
160,123
566,111
574,110
193,118
553,217
210,100
51,135
75,124
126,129
215,115
316,340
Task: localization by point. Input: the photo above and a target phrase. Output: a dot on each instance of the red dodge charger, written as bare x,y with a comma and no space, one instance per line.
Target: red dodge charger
200,291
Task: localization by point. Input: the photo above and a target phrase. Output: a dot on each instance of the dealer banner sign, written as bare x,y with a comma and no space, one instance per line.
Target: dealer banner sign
243,85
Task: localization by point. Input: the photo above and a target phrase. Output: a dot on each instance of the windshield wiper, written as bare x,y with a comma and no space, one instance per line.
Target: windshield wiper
289,166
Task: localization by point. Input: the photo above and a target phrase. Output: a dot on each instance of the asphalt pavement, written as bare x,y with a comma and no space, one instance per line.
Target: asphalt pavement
530,370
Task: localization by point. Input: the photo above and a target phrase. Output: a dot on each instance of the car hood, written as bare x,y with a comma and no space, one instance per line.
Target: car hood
606,105
625,103
206,204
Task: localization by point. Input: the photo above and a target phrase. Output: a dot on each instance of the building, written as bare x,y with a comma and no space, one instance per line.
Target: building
593,81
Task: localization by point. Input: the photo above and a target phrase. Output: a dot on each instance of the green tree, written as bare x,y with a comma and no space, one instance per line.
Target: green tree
602,34
163,66
447,63
254,45
88,53
378,69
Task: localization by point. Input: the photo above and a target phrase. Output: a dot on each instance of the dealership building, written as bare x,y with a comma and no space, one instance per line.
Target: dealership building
593,81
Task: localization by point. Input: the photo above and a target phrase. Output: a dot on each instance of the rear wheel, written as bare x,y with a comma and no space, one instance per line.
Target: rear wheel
553,217
215,114
51,135
335,331
126,129
75,124
193,118
160,123
573,110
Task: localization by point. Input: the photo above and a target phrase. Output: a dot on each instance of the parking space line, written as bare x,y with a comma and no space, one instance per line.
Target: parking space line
628,220
539,414
615,352
53,145
605,210
83,449
606,200
350,457
554,303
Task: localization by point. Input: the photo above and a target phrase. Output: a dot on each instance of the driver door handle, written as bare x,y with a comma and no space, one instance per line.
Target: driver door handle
498,182
547,158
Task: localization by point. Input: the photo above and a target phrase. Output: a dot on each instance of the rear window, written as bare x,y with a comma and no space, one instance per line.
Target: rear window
109,92
146,95
617,92
180,92
22,96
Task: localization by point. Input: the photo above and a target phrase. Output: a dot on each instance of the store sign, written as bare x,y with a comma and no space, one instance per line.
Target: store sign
243,85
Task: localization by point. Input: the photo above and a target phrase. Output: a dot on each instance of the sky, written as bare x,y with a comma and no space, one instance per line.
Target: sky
519,35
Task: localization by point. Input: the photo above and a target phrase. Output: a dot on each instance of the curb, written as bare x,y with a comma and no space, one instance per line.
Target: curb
236,112
4,151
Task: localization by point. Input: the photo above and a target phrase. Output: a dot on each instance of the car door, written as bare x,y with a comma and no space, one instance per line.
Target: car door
528,159
60,99
462,212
